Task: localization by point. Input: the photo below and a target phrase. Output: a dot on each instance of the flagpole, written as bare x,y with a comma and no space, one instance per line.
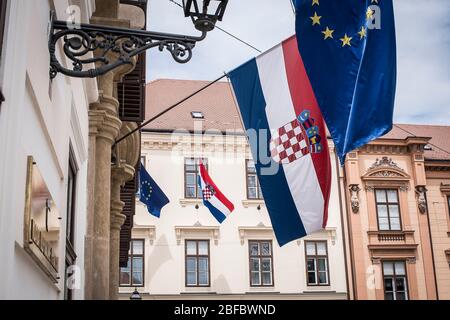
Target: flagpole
168,109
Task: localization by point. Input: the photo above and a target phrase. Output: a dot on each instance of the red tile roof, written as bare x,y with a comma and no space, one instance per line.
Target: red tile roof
220,111
216,103
440,138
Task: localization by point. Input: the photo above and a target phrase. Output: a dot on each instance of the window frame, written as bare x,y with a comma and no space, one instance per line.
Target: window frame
448,206
130,259
316,257
387,204
394,278
259,195
198,193
197,256
260,257
71,201
143,159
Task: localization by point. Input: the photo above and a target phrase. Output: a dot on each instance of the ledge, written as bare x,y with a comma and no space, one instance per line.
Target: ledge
148,231
253,203
197,230
256,231
190,202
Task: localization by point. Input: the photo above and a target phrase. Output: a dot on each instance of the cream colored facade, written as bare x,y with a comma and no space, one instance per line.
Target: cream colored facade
164,276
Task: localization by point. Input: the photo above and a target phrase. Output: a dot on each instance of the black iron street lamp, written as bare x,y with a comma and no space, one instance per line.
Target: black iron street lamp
115,47
205,13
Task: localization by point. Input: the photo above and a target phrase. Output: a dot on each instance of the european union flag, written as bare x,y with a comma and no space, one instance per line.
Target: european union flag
150,193
349,51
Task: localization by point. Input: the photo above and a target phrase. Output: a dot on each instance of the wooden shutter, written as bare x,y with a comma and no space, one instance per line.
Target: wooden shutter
131,96
131,93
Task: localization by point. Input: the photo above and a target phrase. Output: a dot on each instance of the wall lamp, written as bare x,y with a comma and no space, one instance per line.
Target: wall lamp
115,47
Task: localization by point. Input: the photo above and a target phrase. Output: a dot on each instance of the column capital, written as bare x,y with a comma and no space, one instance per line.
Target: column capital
121,173
106,103
117,218
104,125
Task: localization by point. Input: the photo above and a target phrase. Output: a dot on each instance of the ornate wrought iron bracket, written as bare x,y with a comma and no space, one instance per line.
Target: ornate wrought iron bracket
112,47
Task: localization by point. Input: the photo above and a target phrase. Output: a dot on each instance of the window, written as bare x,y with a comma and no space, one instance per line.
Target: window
448,203
253,187
191,172
388,210
317,263
395,280
197,263
133,274
261,263
197,115
70,225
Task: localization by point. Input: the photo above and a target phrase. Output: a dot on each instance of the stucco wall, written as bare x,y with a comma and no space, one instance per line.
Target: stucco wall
164,257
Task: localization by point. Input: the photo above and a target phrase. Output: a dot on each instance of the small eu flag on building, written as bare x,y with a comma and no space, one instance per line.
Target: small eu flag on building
150,193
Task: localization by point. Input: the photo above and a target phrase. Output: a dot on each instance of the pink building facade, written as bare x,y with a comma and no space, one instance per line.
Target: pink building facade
397,218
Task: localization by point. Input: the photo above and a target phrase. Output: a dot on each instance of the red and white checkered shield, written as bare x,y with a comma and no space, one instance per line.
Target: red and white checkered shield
288,143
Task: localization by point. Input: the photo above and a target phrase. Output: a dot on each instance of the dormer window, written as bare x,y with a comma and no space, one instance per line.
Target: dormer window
197,115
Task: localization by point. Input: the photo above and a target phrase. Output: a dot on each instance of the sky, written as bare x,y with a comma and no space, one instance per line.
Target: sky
423,49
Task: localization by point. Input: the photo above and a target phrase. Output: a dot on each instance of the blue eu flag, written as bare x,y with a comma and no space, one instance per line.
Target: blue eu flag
150,193
349,51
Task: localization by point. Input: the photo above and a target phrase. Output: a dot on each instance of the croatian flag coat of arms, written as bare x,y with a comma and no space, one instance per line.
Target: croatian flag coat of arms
219,206
275,96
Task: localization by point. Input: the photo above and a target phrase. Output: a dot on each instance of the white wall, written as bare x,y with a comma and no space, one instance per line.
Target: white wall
38,121
164,258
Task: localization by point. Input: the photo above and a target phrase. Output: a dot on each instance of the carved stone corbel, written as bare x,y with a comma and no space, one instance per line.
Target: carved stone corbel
354,199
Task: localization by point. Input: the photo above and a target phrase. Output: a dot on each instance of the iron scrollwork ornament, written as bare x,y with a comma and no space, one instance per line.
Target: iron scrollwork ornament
95,50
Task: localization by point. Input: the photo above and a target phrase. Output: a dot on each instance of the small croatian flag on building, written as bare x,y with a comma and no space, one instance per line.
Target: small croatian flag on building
276,100
213,199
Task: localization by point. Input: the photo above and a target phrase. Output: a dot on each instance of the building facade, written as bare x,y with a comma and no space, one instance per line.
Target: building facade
187,254
397,215
44,132
60,192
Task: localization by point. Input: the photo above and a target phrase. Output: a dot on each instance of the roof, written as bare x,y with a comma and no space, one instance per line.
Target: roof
439,143
219,108
217,104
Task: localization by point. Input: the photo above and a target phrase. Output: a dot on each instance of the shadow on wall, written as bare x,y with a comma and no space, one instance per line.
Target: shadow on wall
160,255
220,285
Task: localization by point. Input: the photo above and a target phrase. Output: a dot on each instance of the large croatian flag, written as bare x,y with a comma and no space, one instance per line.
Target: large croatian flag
213,199
276,99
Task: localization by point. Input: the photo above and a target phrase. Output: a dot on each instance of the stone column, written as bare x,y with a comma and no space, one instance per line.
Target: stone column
119,175
104,129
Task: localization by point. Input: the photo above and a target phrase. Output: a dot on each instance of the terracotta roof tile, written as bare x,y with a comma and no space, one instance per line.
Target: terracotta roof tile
216,103
439,143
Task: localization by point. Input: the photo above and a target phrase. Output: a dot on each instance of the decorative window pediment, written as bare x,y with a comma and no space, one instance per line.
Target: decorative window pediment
386,172
196,231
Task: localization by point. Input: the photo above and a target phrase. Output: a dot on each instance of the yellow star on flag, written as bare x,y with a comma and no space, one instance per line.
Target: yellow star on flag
346,40
363,32
369,14
315,2
328,33
315,19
